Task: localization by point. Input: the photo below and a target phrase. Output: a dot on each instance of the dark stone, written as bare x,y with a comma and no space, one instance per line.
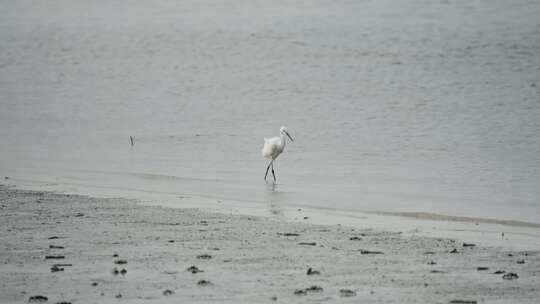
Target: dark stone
463,302
308,243
55,268
115,255
310,271
510,276
468,245
355,238
119,296
482,268
167,292
194,269
95,284
35,299
346,293
521,262
204,257
432,263
300,292
119,262
370,252
454,250
314,288
63,265
204,283
123,271
48,257
499,272
55,247
288,234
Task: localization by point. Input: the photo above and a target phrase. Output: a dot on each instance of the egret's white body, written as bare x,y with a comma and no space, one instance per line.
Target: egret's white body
273,147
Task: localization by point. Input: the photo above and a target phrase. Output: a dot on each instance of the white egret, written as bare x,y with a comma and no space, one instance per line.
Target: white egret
273,147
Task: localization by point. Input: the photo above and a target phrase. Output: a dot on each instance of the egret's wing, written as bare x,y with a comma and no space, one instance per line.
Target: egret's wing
270,147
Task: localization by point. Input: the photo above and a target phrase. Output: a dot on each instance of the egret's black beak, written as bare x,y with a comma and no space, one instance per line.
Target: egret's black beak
289,135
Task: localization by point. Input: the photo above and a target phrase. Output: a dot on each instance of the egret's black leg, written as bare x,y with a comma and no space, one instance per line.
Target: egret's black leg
267,168
273,174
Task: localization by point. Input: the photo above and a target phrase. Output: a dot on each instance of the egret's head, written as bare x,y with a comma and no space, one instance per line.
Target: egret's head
283,130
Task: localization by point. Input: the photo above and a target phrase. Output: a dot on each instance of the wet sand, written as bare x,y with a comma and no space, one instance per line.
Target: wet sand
79,249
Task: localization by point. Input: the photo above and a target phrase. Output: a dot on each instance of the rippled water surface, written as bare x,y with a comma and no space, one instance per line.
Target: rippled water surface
430,106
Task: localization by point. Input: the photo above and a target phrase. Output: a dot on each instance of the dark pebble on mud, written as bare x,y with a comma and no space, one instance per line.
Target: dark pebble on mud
167,292
55,268
62,303
308,243
510,276
204,283
454,250
499,272
310,271
288,234
95,284
314,288
118,296
462,302
123,272
521,262
432,263
35,299
194,269
115,271
482,268
300,292
468,245
370,252
48,257
204,257
346,293
115,255
355,238
79,214
55,247
63,265
53,238
171,241
119,262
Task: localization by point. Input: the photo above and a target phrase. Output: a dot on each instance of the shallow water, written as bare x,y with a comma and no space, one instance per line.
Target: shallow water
423,106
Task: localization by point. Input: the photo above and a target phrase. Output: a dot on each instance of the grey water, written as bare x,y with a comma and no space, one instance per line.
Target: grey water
402,106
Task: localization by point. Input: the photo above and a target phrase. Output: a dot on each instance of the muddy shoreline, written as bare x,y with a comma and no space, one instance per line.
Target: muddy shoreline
77,249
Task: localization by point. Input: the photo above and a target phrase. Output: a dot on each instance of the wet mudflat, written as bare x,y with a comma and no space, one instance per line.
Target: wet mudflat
122,251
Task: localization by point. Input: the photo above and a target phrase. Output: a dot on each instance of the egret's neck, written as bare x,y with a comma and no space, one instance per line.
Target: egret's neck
283,140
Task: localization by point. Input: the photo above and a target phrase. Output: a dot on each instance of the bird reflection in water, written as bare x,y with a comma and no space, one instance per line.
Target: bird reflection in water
275,199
